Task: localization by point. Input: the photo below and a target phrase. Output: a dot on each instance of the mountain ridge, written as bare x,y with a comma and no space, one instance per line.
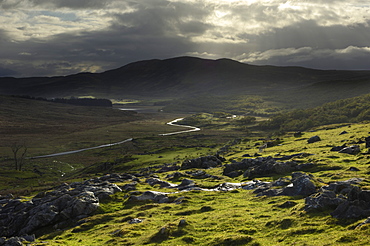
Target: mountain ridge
179,77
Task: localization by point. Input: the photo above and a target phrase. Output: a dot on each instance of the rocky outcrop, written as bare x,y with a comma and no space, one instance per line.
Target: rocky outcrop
17,241
352,150
262,166
155,196
300,184
58,208
347,200
203,162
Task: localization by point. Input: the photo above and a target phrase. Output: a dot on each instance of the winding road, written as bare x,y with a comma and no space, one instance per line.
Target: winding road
171,123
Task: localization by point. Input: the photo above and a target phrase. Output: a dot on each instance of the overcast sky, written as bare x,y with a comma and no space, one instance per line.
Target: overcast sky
61,37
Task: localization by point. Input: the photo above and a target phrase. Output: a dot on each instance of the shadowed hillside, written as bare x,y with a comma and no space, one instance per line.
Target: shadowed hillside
188,84
179,77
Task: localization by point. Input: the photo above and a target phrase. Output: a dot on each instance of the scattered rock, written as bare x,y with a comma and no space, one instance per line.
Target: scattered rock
203,162
347,200
314,139
155,196
67,203
354,169
301,185
182,223
135,221
263,166
200,174
338,148
287,204
129,187
161,183
352,150
367,221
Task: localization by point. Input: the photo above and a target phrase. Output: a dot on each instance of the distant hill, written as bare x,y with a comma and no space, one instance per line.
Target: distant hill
349,110
191,77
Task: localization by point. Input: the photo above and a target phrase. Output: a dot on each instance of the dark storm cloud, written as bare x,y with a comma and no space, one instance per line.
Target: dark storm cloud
65,36
149,32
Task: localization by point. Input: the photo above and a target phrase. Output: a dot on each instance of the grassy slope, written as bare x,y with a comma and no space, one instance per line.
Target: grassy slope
234,218
237,217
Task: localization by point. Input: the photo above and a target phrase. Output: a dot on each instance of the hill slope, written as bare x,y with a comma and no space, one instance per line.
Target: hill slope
176,77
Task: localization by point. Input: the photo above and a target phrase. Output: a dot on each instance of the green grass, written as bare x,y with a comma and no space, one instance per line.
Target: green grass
237,217
212,218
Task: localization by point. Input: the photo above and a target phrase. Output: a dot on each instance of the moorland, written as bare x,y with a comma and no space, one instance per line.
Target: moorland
250,176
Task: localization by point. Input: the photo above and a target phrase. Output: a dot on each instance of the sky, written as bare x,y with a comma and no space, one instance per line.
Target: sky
62,37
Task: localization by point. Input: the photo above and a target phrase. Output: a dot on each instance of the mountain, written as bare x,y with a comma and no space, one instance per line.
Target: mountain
177,77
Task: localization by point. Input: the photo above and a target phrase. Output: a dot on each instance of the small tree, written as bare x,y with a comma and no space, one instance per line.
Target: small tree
19,155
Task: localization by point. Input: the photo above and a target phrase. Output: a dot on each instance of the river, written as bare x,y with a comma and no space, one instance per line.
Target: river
171,123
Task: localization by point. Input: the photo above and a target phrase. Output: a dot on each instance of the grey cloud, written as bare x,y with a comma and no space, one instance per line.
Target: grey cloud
143,34
308,33
80,4
163,29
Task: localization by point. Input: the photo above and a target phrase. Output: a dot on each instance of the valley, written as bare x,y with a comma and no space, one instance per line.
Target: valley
275,156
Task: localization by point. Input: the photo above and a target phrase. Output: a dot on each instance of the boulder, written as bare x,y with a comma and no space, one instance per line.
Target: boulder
326,199
338,148
352,150
155,196
301,185
314,139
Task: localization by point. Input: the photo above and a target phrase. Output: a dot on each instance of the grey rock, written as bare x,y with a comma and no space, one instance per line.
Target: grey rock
135,221
14,241
65,204
352,150
347,200
202,162
314,139
324,200
29,238
185,184
161,183
301,185
129,187
155,196
367,221
182,222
